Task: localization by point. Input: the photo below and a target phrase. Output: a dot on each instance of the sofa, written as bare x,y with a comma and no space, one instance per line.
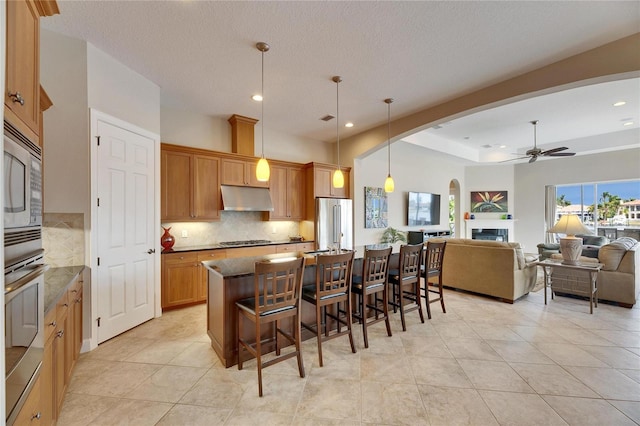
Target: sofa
493,268
590,246
618,281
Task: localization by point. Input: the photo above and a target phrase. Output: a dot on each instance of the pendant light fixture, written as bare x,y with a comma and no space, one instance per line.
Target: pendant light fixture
262,169
389,185
338,177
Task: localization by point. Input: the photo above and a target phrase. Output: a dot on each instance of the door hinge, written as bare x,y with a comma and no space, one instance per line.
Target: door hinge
98,202
99,321
98,138
98,261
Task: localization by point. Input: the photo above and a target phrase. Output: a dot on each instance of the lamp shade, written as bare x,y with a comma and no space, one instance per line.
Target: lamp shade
389,185
262,170
338,179
569,224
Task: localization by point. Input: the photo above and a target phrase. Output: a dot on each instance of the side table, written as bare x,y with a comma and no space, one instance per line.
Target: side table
579,279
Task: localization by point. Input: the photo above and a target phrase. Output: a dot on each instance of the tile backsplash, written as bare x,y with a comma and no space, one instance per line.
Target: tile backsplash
233,226
63,239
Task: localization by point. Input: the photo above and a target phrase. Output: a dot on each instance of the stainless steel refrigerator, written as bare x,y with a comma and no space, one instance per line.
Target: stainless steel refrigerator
334,223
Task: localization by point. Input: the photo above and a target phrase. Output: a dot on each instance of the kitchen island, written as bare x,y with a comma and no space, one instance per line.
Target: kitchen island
230,280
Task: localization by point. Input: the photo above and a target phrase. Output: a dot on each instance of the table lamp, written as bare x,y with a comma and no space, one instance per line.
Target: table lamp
570,245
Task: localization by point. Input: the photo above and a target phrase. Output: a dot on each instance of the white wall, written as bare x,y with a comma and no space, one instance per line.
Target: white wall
530,180
181,127
117,90
413,169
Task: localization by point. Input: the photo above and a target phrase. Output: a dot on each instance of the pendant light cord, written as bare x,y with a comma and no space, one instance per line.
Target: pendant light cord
262,105
338,119
389,137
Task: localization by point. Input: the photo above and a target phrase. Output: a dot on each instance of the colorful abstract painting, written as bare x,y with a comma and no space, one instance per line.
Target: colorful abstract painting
375,207
489,202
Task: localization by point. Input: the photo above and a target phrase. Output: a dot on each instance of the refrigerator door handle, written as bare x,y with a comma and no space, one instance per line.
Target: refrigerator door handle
337,225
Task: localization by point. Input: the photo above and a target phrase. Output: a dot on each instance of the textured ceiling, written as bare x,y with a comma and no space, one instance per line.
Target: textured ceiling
202,55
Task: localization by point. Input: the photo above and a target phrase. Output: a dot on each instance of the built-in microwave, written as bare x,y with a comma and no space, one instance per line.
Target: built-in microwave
22,180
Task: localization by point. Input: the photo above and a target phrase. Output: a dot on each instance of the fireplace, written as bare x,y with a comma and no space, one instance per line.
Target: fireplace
490,229
493,234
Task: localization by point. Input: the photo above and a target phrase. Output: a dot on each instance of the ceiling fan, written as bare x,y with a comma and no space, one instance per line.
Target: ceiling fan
535,152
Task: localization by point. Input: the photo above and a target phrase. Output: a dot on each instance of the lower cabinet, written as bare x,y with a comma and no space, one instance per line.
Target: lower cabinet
31,412
184,279
63,339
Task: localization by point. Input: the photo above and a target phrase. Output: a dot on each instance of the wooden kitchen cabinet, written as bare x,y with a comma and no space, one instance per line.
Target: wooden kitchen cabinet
293,248
181,277
189,185
204,256
22,76
240,172
322,178
287,193
31,411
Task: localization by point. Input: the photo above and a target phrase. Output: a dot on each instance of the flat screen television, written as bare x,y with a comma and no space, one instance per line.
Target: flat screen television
423,208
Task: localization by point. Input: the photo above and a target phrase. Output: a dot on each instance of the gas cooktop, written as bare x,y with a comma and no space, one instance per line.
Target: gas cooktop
244,243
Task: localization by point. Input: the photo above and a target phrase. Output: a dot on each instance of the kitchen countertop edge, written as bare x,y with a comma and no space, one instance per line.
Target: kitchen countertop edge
222,247
56,282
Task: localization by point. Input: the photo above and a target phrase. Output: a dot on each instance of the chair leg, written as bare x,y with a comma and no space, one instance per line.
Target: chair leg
319,332
275,335
416,288
441,297
364,321
298,338
401,297
426,296
240,345
259,358
385,303
349,323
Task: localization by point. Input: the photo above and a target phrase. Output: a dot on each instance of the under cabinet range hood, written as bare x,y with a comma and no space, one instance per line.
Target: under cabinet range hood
246,198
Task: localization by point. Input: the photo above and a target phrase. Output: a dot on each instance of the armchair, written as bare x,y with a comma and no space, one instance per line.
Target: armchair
590,246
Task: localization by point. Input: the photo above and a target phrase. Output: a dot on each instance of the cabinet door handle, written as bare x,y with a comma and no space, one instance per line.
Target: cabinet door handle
60,333
151,251
53,324
36,416
16,98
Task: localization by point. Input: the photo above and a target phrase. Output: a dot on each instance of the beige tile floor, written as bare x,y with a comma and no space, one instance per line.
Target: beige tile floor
481,363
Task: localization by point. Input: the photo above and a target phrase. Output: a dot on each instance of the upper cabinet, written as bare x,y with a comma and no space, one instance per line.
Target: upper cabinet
240,172
320,181
189,185
22,84
287,192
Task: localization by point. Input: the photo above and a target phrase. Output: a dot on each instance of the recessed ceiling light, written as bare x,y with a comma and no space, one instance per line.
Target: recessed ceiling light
503,146
619,103
349,124
628,123
257,98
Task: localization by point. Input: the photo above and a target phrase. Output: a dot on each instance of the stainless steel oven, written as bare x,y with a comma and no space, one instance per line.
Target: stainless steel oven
22,195
23,329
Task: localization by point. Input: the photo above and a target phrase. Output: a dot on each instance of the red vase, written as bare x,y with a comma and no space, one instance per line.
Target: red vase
167,240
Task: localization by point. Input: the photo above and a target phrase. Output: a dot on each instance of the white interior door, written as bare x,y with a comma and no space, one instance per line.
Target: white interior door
125,237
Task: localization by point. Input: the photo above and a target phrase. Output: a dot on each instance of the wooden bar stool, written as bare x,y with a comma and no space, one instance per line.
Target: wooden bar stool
405,282
332,287
278,287
373,281
434,256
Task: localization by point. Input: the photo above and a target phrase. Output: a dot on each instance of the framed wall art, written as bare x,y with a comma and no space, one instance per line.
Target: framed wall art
375,207
489,202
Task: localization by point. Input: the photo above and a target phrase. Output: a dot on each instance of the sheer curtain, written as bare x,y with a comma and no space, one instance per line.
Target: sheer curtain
550,204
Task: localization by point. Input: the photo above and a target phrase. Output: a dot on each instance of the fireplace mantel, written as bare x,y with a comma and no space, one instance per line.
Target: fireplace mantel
491,224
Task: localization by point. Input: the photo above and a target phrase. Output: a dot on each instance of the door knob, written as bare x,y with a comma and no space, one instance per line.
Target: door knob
151,251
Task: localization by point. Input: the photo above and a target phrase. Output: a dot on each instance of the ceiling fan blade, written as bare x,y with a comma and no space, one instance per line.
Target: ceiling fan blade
533,158
512,159
561,154
553,150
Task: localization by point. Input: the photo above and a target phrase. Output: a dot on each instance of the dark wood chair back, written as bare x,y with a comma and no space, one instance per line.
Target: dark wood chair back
278,285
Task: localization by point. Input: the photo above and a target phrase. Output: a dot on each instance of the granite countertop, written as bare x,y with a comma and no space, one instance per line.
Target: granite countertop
214,246
243,266
56,281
